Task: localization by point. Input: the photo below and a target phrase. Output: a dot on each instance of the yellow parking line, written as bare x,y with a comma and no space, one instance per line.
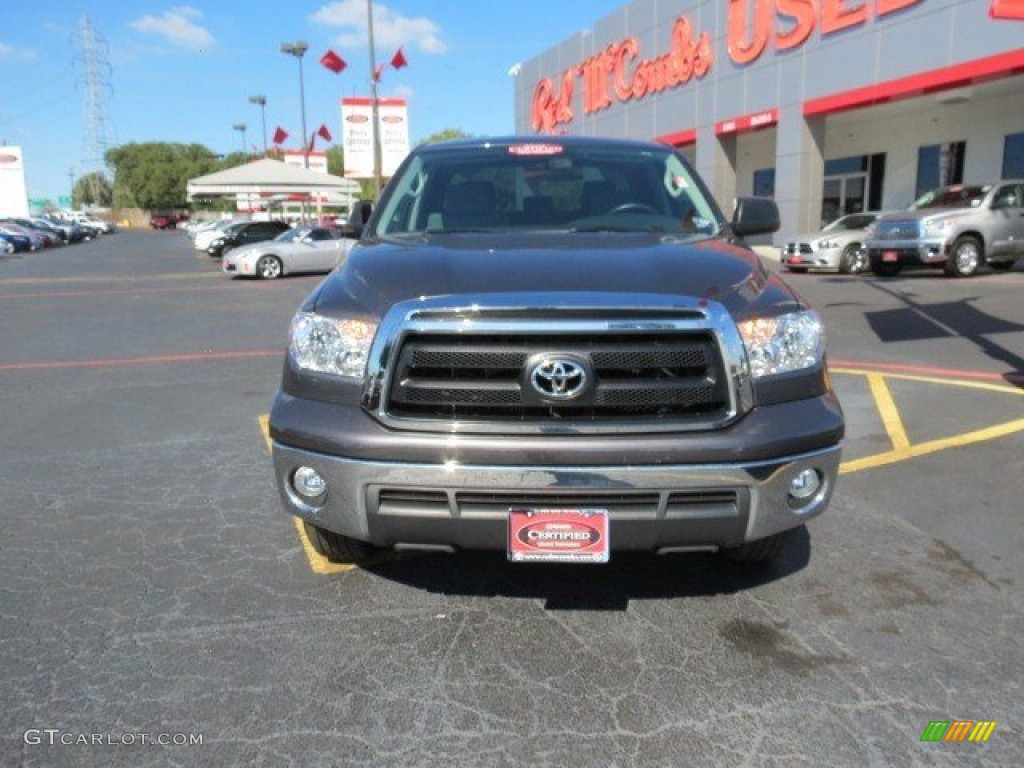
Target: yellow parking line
317,562
887,409
931,446
1007,389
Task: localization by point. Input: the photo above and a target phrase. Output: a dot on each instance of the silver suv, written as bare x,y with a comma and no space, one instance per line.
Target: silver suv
958,228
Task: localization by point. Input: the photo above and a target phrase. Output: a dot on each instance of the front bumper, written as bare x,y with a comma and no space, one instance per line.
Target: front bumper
655,501
909,253
805,255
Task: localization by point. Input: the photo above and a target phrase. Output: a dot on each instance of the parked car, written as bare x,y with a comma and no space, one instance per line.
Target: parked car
958,229
839,245
36,240
51,236
298,250
555,348
245,233
166,219
206,233
72,232
19,243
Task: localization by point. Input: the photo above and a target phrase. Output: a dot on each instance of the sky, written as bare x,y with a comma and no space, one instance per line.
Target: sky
184,71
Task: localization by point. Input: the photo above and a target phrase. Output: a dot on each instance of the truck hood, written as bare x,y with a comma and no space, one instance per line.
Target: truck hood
380,273
926,213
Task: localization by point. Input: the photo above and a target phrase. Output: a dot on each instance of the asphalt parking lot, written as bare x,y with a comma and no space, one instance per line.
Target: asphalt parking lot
150,584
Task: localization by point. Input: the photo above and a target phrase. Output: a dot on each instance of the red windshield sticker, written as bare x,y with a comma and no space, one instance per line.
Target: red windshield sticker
535,149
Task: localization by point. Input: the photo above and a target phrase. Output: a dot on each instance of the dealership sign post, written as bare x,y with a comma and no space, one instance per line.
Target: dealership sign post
13,194
357,135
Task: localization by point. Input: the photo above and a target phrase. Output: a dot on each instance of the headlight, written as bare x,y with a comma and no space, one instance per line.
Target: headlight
937,227
329,345
824,245
785,343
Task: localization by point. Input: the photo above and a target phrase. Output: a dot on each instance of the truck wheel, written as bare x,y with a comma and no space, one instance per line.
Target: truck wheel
761,551
854,259
965,258
336,547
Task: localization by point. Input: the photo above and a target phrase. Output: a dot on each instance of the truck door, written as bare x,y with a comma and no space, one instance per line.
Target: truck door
1007,221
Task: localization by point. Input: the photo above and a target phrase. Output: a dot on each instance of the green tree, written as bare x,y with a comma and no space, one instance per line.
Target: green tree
447,134
154,174
335,160
92,189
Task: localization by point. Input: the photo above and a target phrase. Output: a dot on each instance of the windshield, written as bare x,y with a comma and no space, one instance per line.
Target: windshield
292,235
855,221
547,187
957,196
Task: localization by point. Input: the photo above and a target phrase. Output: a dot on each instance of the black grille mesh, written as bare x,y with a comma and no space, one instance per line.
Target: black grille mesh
632,376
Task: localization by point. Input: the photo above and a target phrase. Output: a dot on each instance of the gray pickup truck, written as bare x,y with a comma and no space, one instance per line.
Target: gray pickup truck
556,347
958,229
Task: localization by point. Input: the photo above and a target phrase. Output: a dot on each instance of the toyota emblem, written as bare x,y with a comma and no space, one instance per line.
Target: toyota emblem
558,378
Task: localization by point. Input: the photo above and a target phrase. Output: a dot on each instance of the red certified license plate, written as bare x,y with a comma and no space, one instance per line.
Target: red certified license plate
558,535
890,256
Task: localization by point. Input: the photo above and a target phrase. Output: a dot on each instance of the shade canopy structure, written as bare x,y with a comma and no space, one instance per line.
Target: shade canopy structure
269,179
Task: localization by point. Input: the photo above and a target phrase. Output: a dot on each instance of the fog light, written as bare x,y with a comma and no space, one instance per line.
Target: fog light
309,483
805,484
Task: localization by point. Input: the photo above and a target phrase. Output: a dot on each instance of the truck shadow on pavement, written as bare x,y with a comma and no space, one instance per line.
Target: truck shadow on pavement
577,587
918,321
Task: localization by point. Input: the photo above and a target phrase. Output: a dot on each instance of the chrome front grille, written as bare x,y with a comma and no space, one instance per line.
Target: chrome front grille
897,230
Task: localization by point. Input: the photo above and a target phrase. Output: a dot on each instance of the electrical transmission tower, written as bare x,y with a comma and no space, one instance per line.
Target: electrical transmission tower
97,125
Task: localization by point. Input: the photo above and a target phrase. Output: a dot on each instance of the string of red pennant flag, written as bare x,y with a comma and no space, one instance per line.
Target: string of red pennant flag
336,64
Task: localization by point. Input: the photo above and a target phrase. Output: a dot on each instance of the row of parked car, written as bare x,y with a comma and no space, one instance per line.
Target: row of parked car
32,234
270,249
960,229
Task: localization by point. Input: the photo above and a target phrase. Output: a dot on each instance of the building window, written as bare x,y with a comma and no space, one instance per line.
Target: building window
764,182
1013,156
939,165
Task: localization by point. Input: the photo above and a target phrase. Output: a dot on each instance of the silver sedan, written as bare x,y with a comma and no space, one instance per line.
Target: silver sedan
840,245
298,250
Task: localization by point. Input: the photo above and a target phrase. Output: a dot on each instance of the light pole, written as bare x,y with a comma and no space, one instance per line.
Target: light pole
261,100
297,49
240,127
375,108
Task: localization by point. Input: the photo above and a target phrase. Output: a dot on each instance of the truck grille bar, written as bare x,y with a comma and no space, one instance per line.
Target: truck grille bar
636,376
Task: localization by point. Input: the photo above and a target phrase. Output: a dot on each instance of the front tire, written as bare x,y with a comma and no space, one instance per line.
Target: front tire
966,257
336,547
764,550
268,268
854,259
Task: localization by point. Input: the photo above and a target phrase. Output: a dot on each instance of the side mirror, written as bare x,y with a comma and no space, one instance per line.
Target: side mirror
755,216
359,215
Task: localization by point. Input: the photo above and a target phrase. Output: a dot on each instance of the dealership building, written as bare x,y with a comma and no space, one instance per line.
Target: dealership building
829,106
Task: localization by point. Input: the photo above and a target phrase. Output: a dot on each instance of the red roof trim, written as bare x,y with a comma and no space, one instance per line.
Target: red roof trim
679,138
988,68
753,122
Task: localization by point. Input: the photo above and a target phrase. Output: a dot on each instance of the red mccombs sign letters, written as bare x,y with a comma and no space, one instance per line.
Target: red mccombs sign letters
620,73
